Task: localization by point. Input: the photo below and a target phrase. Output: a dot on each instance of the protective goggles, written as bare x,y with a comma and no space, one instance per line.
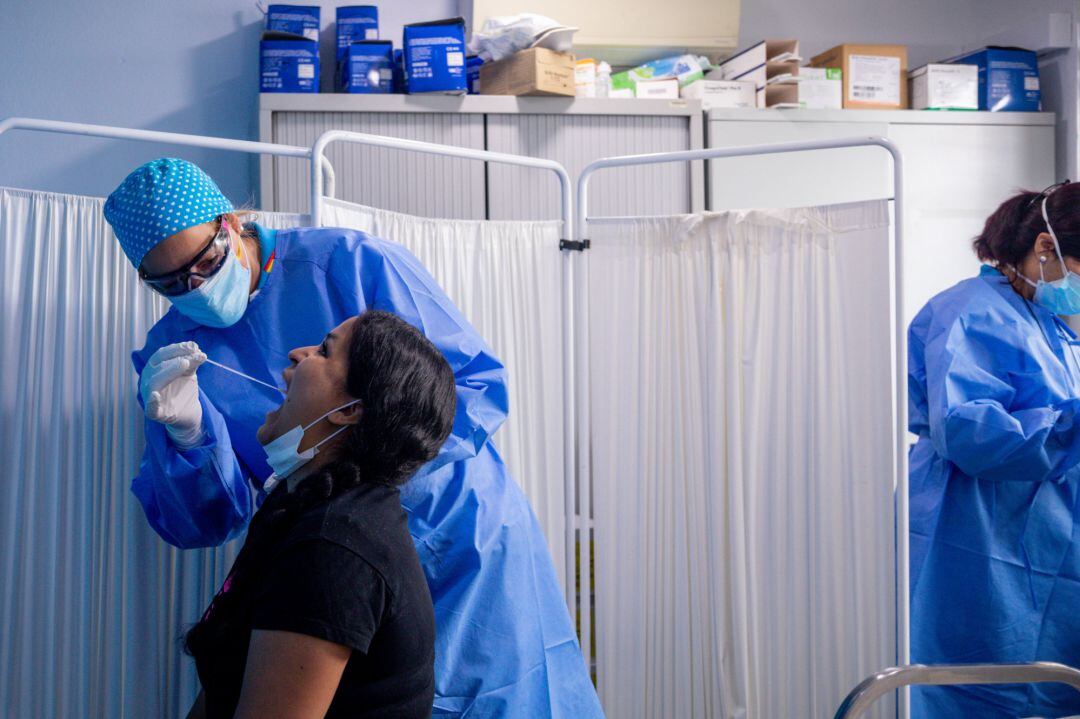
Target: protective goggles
202,267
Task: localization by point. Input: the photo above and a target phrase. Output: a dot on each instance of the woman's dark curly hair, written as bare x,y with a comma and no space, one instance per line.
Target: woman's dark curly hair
408,399
1010,232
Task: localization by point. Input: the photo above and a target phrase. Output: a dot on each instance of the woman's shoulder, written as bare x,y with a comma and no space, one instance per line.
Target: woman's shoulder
974,301
315,243
367,521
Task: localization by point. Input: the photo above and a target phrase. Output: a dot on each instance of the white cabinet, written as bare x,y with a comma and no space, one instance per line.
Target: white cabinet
572,131
958,167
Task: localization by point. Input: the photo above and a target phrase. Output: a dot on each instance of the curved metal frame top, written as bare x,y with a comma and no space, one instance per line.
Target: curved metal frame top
900,340
431,148
172,138
876,686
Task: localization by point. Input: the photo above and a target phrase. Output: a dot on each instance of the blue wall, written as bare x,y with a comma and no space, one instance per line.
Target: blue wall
181,66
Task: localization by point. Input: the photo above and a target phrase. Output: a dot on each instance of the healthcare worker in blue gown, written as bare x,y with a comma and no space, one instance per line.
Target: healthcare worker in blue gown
994,395
244,295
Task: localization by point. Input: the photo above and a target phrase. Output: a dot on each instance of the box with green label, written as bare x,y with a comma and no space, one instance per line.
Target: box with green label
813,88
874,76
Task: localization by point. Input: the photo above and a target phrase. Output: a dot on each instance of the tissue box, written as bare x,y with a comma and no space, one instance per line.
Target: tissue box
721,93
536,71
367,67
434,55
1008,78
874,76
300,20
288,63
657,89
945,87
355,23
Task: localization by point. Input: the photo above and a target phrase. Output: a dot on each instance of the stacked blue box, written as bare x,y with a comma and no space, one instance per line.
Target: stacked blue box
472,73
355,23
294,19
435,57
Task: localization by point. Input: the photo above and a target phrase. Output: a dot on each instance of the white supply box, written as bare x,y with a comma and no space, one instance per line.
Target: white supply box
657,89
945,87
721,93
816,88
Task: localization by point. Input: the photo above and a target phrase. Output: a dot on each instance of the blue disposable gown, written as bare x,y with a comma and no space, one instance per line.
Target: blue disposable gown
995,565
505,644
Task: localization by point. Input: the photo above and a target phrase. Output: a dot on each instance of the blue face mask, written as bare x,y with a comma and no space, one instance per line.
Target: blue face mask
221,300
1062,297
283,454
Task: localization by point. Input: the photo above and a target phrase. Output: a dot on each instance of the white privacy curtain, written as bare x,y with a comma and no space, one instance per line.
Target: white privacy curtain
506,278
92,602
742,461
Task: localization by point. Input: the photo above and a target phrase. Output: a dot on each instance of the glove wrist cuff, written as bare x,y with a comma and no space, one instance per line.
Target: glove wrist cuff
187,437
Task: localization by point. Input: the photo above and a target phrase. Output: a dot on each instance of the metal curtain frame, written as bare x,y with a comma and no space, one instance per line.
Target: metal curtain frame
172,138
899,342
877,685
566,206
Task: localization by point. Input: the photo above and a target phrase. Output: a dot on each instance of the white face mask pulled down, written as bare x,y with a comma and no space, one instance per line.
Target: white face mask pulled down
283,454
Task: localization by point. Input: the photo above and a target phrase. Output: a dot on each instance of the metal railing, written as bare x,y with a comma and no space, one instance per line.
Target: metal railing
326,173
876,686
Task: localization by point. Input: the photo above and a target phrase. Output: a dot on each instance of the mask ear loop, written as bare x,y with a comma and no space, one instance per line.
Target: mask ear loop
1057,247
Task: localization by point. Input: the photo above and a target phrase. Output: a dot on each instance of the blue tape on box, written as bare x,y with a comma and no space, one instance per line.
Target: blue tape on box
367,67
294,19
288,63
435,57
1008,78
355,23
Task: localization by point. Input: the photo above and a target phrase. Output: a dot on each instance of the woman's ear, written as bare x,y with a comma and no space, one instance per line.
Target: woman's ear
347,415
1044,244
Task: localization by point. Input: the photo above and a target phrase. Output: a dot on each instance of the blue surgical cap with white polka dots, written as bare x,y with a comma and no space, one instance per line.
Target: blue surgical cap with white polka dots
158,200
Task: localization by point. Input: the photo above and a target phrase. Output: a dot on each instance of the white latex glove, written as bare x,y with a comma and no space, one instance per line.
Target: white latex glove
170,392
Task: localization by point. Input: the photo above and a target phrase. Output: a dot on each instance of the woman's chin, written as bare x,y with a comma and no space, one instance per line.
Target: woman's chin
265,433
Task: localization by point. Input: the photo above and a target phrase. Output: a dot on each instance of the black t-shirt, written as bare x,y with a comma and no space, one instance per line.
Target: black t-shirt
346,571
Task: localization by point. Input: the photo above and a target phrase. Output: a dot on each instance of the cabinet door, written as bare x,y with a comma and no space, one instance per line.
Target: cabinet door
797,179
576,140
411,182
955,176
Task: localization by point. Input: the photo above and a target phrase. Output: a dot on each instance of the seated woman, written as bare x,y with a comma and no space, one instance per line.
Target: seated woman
326,610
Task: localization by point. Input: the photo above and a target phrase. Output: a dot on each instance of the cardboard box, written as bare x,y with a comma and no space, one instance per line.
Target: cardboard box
814,88
1008,78
356,23
721,93
945,87
434,54
657,89
874,76
288,63
752,64
367,67
585,77
302,20
536,71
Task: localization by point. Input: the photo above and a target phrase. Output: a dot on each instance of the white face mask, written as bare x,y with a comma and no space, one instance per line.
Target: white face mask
283,454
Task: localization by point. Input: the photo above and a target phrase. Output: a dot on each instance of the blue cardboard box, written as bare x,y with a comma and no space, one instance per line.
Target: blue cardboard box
1008,78
294,19
435,57
398,84
355,23
472,73
367,67
288,63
